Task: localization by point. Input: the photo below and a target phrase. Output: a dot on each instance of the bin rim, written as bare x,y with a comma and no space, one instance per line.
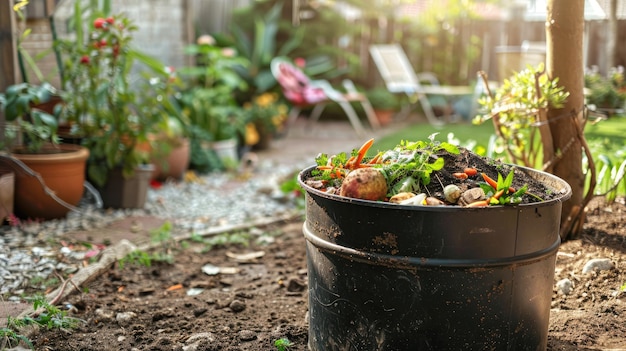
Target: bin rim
563,188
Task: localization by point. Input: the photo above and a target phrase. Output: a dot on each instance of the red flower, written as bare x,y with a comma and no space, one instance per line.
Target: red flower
84,60
300,62
99,23
110,20
155,184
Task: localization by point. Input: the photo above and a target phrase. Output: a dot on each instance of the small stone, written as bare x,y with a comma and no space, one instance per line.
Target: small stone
295,285
598,264
124,318
237,305
104,315
471,195
200,341
565,286
199,312
247,335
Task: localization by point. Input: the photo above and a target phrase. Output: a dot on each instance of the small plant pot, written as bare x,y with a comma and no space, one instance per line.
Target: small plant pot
394,277
127,192
176,163
226,150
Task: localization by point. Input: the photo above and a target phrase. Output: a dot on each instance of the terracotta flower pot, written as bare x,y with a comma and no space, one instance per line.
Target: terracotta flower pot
175,164
172,165
384,116
62,168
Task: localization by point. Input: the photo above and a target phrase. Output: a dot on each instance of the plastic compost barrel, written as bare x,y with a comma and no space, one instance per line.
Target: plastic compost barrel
391,277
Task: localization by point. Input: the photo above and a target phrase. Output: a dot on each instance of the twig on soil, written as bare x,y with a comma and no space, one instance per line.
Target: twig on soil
110,255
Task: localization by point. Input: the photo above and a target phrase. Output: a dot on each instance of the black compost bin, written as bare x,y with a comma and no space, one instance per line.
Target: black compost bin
390,277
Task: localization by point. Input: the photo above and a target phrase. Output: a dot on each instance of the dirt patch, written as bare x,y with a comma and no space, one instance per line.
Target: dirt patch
257,294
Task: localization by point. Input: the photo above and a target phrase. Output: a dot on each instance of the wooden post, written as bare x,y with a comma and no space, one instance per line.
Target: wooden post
8,53
8,45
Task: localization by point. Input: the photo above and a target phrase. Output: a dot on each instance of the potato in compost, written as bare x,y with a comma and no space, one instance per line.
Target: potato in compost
365,184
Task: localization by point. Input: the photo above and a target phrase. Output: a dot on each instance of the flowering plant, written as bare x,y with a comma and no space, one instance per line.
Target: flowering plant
209,100
100,104
264,114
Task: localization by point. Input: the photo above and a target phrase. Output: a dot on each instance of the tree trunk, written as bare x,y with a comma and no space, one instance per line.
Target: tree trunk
564,33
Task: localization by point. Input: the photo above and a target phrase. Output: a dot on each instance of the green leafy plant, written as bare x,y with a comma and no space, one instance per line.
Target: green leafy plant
501,192
518,111
283,344
208,101
606,92
610,163
27,124
136,257
291,187
265,39
46,316
210,111
382,99
411,164
166,244
225,239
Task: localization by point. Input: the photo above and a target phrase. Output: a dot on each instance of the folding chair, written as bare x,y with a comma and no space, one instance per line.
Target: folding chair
400,77
303,92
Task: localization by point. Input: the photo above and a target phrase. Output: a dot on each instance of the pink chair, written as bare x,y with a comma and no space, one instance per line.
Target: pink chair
303,92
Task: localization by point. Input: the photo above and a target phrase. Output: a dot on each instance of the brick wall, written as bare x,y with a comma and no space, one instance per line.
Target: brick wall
38,45
162,33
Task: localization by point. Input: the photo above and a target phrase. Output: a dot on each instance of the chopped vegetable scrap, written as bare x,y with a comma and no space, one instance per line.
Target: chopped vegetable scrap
402,175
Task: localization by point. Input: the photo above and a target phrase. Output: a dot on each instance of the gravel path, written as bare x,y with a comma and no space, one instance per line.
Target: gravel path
216,199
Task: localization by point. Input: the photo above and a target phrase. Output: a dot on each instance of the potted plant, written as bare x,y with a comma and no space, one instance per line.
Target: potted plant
265,116
168,145
384,103
49,175
212,115
102,107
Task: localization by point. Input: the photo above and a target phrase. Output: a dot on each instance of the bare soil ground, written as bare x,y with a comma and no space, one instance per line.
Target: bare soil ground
255,300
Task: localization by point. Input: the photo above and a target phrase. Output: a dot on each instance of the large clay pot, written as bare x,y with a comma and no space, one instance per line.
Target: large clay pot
394,277
62,169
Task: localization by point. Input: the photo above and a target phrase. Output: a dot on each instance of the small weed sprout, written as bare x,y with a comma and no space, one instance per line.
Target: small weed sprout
46,316
283,344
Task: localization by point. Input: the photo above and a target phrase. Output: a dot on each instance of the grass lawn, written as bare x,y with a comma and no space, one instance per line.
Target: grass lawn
610,132
464,132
